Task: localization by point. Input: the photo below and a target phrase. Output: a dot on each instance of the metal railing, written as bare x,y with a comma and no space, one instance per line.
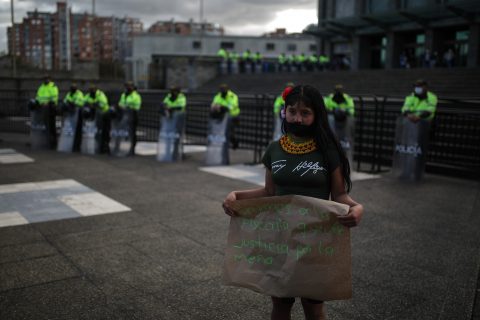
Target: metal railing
454,135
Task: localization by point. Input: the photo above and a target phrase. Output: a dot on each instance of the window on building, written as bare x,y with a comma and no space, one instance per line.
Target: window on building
312,48
461,47
196,45
270,46
291,47
227,45
378,48
375,6
344,8
414,3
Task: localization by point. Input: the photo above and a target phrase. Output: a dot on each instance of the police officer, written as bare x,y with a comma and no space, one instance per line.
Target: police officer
74,99
257,62
96,107
282,61
223,55
47,97
227,101
339,104
278,105
132,101
247,60
175,101
421,104
300,61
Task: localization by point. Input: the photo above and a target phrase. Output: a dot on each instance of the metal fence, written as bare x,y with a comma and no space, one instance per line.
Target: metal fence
454,134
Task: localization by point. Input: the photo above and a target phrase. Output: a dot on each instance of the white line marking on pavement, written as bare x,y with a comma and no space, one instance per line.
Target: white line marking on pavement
32,202
150,148
35,186
9,156
93,203
11,219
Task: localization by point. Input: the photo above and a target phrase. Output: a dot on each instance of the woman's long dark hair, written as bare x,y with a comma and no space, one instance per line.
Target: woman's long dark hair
324,136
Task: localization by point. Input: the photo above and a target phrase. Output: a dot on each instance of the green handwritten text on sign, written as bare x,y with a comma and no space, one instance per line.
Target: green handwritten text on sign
289,246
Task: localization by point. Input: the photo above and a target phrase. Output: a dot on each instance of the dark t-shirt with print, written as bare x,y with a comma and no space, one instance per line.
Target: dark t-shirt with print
305,174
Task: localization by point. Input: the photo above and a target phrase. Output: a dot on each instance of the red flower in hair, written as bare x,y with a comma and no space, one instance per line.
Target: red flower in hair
286,92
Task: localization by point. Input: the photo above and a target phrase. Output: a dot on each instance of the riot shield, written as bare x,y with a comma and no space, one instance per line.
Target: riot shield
39,132
90,131
410,149
217,141
169,147
121,133
344,131
69,127
277,127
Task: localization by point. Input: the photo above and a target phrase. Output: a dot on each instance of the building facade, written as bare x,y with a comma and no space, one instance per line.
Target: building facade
52,41
186,28
400,33
148,47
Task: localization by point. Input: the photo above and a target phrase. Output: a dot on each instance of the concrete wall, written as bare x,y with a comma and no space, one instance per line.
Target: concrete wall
145,45
161,60
186,72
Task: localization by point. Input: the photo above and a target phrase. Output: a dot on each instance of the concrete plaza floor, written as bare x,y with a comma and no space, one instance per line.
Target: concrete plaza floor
158,254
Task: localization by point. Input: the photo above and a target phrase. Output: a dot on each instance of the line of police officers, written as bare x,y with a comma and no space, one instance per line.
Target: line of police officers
419,105
92,105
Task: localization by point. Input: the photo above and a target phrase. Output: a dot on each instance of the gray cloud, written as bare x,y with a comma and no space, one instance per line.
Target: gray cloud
253,15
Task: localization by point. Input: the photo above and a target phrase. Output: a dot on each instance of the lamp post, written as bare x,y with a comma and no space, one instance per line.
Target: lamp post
14,40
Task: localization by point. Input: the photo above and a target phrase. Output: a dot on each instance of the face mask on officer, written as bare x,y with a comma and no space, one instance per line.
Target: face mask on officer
418,90
338,96
92,92
173,94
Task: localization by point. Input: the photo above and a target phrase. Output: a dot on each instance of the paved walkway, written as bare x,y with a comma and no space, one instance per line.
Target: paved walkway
158,252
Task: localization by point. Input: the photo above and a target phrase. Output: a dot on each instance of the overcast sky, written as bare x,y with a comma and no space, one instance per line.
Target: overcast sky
246,17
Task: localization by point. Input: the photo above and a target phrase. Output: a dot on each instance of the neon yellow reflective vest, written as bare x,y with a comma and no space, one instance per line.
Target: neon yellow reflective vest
132,101
323,59
416,106
76,98
100,99
257,57
47,93
282,59
179,102
233,56
222,53
300,58
313,59
230,101
278,104
347,106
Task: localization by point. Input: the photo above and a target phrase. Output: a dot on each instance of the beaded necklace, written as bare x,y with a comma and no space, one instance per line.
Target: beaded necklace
289,146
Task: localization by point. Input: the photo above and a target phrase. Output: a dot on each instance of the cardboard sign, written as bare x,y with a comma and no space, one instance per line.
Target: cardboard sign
289,246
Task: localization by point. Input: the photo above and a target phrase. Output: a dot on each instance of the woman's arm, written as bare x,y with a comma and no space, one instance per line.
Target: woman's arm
267,191
339,194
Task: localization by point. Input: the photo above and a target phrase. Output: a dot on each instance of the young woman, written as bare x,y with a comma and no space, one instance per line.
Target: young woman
307,160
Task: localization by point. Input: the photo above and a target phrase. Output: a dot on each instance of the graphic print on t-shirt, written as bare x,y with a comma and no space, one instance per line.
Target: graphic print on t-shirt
301,168
278,165
307,166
